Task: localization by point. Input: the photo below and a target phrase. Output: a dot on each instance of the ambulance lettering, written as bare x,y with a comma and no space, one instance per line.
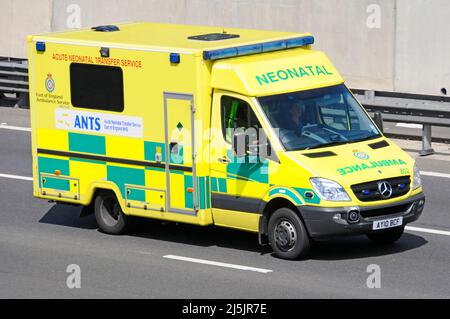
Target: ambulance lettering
87,123
109,124
362,167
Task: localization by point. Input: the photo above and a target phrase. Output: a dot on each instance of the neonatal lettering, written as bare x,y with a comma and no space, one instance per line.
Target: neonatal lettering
292,73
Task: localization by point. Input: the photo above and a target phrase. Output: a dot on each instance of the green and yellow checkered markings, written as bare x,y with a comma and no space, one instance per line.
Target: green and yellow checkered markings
214,185
203,192
208,192
283,191
124,175
218,185
308,195
188,196
252,168
130,179
136,194
55,183
299,196
87,161
155,169
155,152
83,143
49,165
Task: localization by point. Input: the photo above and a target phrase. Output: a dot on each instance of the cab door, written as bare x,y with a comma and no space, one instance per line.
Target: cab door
238,183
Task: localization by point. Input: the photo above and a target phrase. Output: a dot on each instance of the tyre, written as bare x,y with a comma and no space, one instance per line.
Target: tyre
287,235
387,236
109,215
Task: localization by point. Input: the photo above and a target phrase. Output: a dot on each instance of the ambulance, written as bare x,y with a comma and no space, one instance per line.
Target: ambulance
247,129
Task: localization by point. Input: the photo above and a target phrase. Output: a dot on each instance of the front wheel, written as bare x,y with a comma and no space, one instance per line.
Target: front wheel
287,235
109,215
387,236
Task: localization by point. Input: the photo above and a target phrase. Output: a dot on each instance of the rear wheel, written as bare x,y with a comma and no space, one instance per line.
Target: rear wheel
109,215
387,236
287,235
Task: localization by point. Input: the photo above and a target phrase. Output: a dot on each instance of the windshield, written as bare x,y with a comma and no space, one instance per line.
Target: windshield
318,118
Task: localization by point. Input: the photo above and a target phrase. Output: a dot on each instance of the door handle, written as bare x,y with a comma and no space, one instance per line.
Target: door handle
224,159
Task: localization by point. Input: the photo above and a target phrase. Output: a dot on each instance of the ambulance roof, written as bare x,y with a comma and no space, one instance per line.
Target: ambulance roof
167,37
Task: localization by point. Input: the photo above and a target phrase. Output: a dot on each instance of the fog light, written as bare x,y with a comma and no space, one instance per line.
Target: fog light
353,216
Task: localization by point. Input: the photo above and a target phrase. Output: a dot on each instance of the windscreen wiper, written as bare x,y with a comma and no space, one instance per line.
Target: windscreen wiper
328,144
366,138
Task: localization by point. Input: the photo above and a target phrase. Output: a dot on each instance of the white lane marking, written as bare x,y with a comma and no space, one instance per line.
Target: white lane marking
428,230
409,125
435,174
23,178
143,252
216,263
14,128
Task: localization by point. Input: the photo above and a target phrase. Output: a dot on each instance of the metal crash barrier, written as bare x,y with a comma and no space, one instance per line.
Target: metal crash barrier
408,108
14,80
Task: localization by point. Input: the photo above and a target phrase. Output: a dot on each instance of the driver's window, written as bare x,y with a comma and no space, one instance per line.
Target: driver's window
236,114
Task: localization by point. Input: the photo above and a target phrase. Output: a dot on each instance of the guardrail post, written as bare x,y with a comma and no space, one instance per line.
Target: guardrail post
24,101
378,119
426,141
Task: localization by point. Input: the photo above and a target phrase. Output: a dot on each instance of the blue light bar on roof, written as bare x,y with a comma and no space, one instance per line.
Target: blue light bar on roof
258,48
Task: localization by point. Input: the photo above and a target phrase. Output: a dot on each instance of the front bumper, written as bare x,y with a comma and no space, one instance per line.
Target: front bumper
324,222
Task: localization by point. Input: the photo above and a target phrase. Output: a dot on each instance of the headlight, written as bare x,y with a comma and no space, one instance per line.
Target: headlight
417,181
329,190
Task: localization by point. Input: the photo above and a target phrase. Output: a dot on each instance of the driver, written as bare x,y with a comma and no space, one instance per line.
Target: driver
297,112
294,119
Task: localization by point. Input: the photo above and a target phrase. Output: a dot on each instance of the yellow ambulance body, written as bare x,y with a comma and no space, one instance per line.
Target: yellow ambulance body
143,119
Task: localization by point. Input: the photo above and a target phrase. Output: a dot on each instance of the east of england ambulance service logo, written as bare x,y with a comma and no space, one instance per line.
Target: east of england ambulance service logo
360,155
49,83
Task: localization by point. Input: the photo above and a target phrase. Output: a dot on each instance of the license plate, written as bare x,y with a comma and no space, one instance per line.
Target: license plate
387,223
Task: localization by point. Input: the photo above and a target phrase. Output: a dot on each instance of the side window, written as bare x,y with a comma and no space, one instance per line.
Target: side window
96,87
236,114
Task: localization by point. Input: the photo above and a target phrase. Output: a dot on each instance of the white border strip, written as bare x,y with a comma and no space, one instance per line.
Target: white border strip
15,128
428,230
435,174
216,263
23,178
